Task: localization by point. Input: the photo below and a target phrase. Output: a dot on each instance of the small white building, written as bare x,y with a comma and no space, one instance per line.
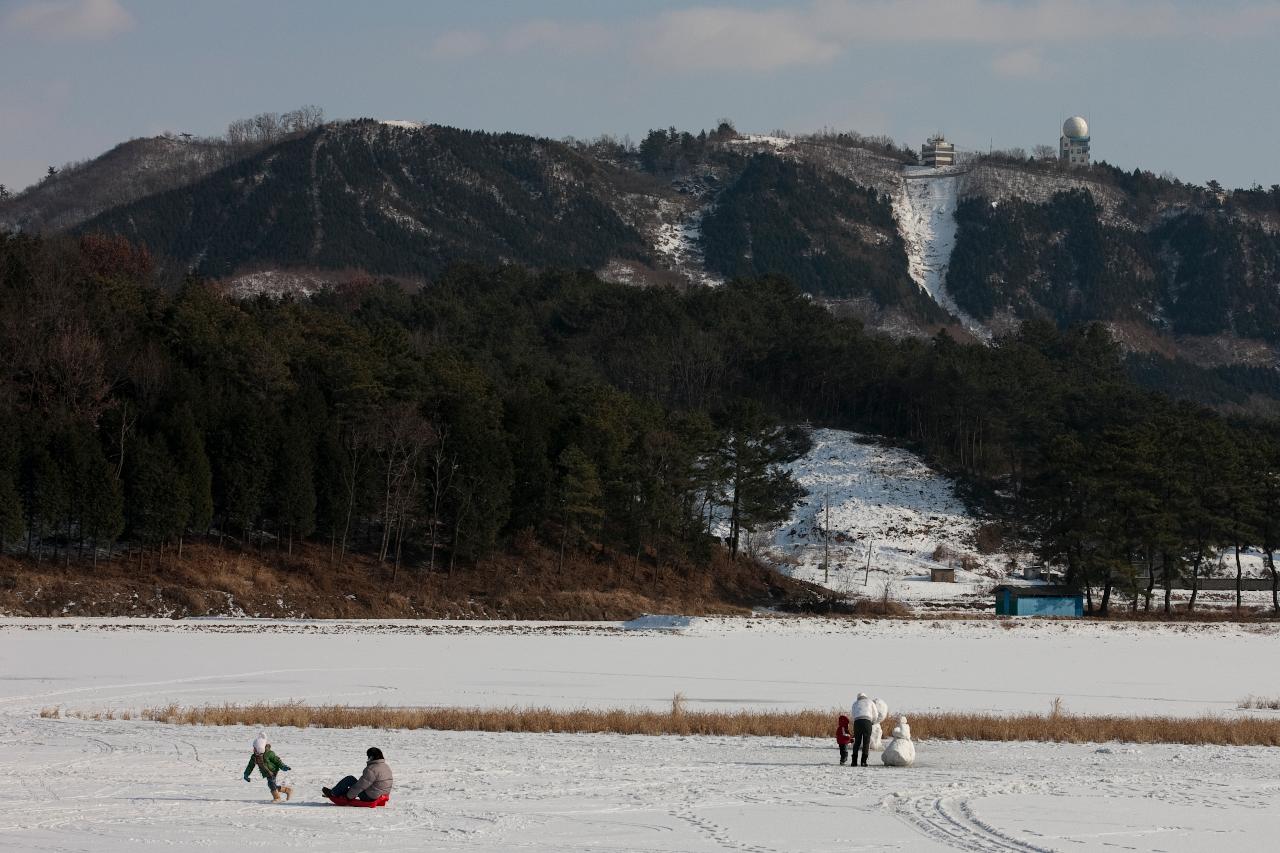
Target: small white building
938,152
1073,146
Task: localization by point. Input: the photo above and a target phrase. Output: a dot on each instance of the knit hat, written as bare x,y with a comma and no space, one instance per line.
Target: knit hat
260,744
862,696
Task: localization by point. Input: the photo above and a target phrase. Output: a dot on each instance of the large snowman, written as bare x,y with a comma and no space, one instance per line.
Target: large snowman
901,751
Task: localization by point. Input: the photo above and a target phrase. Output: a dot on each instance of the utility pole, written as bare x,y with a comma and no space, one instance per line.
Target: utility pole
826,539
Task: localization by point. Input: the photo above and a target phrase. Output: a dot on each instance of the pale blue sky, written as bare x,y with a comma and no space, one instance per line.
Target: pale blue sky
1188,87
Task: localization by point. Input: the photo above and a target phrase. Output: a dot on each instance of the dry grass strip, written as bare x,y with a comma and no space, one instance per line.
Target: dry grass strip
1056,726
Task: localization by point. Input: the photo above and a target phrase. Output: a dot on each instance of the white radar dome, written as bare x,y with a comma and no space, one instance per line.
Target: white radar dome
1075,128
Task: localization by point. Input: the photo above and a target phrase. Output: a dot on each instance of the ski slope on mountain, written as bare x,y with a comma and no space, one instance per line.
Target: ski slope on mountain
925,207
865,499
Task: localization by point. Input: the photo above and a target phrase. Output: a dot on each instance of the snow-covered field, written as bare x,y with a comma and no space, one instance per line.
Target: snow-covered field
128,786
123,786
885,501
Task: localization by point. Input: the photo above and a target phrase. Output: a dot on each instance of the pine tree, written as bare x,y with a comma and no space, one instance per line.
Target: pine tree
245,453
294,486
192,460
47,495
103,518
580,497
158,503
758,490
12,512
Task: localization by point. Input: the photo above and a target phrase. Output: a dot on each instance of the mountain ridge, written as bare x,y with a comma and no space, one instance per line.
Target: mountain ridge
1028,239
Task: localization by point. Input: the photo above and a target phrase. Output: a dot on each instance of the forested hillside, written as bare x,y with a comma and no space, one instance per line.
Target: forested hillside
69,195
413,200
1198,272
388,199
827,234
435,429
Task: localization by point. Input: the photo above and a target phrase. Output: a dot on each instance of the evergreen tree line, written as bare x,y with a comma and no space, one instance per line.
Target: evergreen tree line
431,428
356,421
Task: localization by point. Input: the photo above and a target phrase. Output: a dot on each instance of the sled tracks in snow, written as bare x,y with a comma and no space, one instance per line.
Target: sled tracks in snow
950,820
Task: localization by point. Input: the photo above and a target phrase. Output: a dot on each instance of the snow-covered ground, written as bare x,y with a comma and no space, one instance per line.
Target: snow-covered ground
887,501
128,785
114,787
276,284
775,142
925,208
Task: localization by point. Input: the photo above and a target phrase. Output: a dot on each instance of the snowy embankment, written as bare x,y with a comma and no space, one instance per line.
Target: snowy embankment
887,504
120,785
925,207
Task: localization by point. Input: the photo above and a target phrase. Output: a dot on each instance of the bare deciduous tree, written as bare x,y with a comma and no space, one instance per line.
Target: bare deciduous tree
402,436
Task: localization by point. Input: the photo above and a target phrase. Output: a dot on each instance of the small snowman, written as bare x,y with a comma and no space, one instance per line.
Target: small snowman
881,714
900,752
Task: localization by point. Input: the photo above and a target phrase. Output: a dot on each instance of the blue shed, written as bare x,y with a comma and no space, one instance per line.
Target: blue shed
1038,601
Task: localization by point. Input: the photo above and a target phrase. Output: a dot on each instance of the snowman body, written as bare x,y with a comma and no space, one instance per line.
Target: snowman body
880,715
901,751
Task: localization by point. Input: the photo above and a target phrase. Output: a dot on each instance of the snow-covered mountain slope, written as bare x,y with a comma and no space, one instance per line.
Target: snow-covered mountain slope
885,501
678,245
925,207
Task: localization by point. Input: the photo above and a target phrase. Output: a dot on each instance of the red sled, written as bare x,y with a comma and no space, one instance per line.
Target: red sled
364,804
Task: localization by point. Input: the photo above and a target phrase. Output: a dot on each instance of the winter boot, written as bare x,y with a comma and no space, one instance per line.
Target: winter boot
275,794
287,791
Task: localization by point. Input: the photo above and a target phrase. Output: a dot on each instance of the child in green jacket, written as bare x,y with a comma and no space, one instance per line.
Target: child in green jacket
269,765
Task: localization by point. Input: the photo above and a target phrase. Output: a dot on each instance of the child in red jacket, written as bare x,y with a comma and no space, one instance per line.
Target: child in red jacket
843,738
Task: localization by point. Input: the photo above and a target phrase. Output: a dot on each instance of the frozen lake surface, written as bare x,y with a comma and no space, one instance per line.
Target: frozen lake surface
117,785
747,662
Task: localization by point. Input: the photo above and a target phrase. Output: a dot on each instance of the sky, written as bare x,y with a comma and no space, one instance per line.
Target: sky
1191,88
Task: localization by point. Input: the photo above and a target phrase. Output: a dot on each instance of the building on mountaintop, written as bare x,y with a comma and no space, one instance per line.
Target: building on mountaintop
1073,146
938,152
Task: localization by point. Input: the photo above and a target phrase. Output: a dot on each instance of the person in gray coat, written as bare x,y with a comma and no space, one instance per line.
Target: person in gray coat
373,783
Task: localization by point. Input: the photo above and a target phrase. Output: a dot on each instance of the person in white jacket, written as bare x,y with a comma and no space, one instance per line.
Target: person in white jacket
863,714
